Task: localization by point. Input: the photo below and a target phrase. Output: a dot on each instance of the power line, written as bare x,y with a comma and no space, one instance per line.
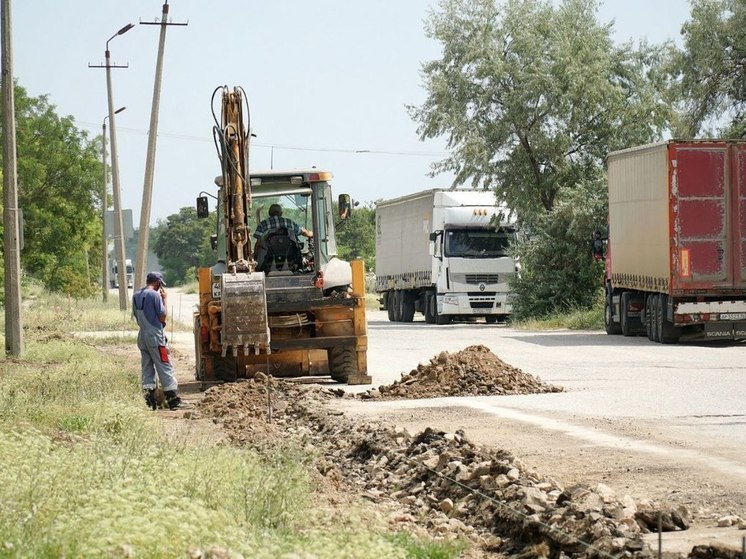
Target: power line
187,137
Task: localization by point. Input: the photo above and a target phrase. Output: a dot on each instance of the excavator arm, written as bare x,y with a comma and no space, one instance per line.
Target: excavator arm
243,302
232,136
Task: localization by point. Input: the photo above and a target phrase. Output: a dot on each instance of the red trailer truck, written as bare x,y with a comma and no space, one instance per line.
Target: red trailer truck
676,249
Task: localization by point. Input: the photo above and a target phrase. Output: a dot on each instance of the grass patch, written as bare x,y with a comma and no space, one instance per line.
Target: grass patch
86,471
191,287
371,301
579,319
419,549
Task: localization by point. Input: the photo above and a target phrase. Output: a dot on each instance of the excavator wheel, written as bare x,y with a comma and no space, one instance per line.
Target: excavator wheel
342,362
225,369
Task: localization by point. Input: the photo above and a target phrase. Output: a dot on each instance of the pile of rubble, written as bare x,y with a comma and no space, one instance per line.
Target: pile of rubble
474,371
445,483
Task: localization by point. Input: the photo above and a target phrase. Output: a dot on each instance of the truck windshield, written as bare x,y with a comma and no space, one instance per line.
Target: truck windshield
477,243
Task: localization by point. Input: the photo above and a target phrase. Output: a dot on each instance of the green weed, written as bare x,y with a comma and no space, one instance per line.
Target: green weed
86,471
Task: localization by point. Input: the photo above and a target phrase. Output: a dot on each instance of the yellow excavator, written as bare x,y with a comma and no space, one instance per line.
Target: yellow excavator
294,308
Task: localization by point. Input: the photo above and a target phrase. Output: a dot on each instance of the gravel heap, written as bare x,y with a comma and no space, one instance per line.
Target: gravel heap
442,481
474,371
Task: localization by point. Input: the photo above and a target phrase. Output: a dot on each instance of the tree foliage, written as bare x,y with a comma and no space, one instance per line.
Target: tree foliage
559,272
182,244
709,72
531,97
59,190
356,237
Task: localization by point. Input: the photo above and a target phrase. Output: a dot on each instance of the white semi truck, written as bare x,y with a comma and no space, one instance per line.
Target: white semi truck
444,253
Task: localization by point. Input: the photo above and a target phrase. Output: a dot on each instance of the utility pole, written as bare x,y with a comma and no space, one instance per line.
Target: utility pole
118,226
147,188
104,207
11,232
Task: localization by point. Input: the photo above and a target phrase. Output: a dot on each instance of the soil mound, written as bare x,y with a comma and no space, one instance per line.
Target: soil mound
474,371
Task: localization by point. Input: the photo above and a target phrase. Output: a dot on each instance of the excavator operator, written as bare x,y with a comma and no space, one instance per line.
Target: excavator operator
274,222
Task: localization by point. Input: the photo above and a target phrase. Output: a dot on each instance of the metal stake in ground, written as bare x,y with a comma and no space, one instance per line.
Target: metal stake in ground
269,393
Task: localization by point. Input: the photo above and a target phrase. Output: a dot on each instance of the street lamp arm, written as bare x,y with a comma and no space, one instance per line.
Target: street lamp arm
119,110
122,31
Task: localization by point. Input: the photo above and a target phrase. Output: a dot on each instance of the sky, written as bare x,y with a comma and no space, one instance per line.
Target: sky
327,81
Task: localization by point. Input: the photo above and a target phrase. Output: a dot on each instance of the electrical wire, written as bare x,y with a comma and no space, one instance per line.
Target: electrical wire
288,147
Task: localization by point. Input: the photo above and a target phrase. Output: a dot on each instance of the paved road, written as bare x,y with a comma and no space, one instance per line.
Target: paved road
699,388
605,376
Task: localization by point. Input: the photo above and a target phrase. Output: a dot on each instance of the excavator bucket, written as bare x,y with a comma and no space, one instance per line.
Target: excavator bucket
244,313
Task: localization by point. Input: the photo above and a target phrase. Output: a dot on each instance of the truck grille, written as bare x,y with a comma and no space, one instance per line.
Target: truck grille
476,279
481,304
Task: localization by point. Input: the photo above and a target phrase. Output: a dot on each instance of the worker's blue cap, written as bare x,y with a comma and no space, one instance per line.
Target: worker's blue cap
154,277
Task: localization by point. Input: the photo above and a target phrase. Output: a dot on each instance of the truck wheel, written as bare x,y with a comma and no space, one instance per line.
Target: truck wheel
406,307
669,334
431,308
396,305
624,320
342,362
390,306
442,319
655,317
612,328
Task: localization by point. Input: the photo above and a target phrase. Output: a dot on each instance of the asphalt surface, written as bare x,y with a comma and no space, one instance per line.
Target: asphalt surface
698,388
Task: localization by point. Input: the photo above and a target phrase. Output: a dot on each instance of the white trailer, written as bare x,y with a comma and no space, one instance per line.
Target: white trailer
444,253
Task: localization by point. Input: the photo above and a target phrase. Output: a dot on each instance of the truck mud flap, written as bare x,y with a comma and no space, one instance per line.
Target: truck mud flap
725,330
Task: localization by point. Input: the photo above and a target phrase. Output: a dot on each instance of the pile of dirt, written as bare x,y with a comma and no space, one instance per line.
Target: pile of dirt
250,411
474,371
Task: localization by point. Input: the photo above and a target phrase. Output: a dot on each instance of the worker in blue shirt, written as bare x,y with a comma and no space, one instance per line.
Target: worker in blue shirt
149,309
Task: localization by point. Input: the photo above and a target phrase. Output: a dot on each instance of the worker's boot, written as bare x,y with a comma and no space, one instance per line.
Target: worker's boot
172,400
150,399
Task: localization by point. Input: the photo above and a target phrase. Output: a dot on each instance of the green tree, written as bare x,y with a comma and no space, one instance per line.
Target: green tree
709,72
356,237
531,97
182,243
59,191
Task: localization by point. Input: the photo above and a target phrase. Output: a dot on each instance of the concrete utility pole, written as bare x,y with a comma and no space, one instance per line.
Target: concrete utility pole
118,225
11,234
147,188
104,207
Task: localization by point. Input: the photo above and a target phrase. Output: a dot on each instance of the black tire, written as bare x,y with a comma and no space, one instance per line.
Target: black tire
342,362
396,303
390,307
442,319
406,307
430,308
612,328
492,319
225,368
669,334
656,317
624,320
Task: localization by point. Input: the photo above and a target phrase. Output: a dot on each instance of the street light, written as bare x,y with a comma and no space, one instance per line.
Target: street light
104,206
118,226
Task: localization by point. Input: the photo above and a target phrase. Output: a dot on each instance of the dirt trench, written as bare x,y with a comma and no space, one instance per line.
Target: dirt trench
432,481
